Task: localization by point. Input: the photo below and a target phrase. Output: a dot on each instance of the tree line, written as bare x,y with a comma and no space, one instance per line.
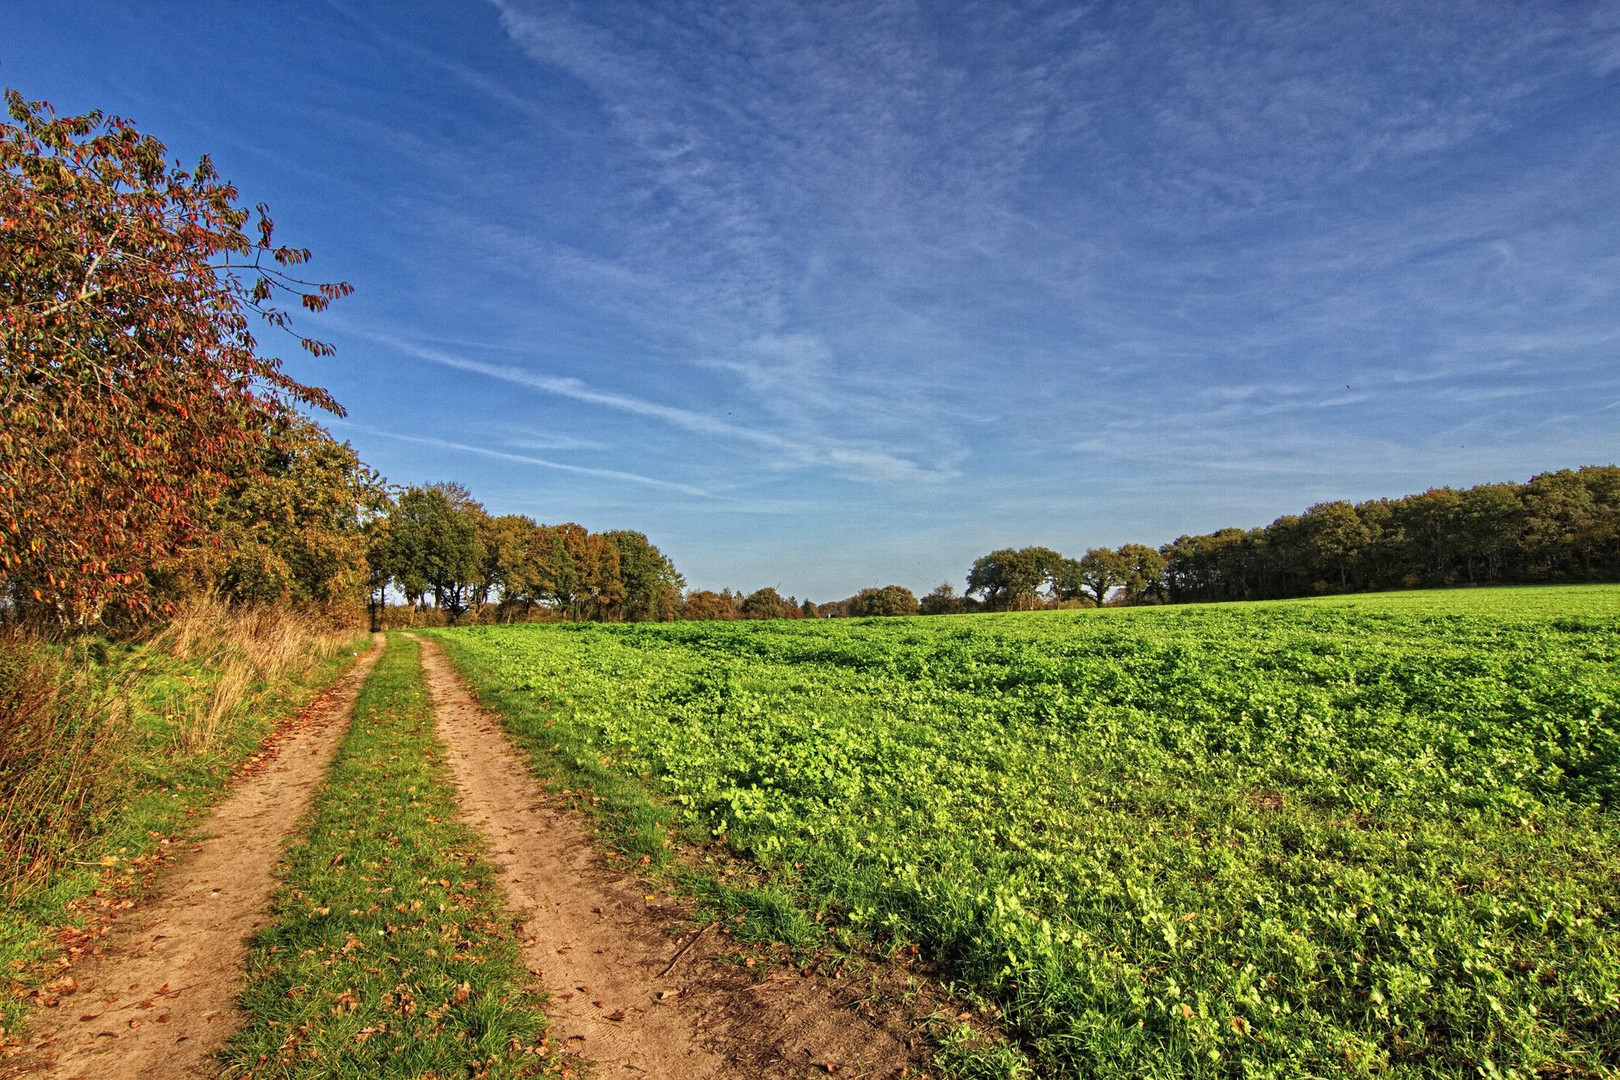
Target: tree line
1561,526
434,553
439,550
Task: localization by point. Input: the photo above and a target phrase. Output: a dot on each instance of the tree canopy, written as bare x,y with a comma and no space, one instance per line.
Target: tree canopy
133,387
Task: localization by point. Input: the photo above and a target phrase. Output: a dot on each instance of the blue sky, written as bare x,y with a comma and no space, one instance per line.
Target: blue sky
828,295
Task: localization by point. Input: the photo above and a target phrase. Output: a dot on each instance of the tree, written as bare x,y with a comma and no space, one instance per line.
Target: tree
511,568
435,531
556,579
652,585
597,588
1099,571
809,610
942,601
1012,579
764,603
705,604
289,527
1338,535
1144,573
380,566
131,383
889,600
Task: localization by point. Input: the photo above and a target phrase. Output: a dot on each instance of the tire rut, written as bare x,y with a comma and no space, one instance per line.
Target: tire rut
632,988
159,997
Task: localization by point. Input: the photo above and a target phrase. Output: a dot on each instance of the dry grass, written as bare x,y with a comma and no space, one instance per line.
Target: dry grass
250,654
78,720
61,732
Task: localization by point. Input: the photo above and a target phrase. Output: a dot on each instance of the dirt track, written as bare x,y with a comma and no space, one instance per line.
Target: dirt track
599,944
159,998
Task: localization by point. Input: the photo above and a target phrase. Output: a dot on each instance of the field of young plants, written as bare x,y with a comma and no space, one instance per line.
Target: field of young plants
1371,834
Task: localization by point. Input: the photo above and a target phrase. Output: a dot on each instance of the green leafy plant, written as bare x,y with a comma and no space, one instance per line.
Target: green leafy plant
1300,838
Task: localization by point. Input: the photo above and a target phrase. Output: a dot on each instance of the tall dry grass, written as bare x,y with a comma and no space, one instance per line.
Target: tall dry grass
252,655
80,722
62,732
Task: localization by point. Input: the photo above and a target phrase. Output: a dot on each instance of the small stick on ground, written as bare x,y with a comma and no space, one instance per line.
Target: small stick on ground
682,950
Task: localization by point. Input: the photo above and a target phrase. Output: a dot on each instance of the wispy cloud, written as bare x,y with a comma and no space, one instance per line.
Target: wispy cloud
526,459
855,460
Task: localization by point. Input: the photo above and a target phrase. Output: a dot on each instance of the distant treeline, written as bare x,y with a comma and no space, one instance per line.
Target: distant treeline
1560,527
438,545
449,560
439,551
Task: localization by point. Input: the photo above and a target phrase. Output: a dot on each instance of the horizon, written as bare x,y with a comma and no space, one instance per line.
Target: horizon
821,299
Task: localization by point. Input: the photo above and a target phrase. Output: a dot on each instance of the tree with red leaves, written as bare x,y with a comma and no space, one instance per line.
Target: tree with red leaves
131,384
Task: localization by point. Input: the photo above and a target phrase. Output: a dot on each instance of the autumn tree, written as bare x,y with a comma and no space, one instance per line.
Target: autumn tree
652,585
131,382
764,603
707,604
511,564
593,560
289,527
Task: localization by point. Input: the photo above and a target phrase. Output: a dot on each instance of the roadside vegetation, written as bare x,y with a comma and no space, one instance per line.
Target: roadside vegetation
389,953
182,551
1372,834
109,750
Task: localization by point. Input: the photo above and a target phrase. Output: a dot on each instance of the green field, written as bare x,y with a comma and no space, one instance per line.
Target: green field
1370,834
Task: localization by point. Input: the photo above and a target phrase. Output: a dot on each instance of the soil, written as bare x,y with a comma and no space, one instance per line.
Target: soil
635,985
158,996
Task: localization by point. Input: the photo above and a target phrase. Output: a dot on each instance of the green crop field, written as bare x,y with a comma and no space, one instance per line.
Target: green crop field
1371,834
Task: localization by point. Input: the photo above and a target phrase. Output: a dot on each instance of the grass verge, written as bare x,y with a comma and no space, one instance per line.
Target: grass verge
110,753
389,954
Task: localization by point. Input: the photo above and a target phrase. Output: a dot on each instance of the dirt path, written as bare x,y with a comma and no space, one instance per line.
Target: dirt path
602,947
159,1000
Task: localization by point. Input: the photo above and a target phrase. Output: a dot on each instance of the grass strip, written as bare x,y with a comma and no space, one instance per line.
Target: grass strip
389,953
148,786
